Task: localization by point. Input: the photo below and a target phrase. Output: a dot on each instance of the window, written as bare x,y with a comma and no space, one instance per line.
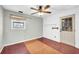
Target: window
18,24
67,24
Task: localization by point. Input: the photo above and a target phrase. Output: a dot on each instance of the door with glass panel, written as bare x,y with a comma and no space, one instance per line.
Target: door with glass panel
67,31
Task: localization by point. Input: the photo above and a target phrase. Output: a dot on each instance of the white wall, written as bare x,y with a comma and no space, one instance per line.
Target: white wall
33,29
1,27
54,20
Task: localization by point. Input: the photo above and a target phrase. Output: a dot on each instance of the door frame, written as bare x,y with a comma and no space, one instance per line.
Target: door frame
72,15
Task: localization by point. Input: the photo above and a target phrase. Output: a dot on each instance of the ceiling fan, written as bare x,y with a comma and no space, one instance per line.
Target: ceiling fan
41,10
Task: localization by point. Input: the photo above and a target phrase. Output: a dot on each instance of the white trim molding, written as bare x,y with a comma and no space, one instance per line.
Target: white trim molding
1,49
22,41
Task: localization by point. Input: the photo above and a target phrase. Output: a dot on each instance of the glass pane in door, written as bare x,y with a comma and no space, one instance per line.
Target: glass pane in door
67,24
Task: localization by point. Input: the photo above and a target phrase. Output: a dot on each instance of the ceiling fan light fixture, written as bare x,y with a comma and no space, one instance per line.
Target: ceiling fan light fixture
40,13
41,10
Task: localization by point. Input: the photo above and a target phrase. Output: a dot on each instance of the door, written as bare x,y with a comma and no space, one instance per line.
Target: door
67,32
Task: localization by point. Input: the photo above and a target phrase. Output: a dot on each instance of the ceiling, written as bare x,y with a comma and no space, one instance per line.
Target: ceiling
26,8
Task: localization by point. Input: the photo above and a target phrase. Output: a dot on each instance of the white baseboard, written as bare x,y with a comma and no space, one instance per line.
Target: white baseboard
21,41
1,49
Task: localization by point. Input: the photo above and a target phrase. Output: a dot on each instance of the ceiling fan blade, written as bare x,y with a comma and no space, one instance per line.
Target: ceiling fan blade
34,13
34,9
47,6
47,12
40,8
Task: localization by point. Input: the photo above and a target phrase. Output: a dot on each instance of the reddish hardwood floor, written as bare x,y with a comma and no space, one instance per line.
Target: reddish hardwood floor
15,49
63,48
40,46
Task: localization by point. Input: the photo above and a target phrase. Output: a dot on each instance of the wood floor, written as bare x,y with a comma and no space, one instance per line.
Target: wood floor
38,46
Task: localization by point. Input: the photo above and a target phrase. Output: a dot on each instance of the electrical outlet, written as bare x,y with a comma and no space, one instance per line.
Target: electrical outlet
54,36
